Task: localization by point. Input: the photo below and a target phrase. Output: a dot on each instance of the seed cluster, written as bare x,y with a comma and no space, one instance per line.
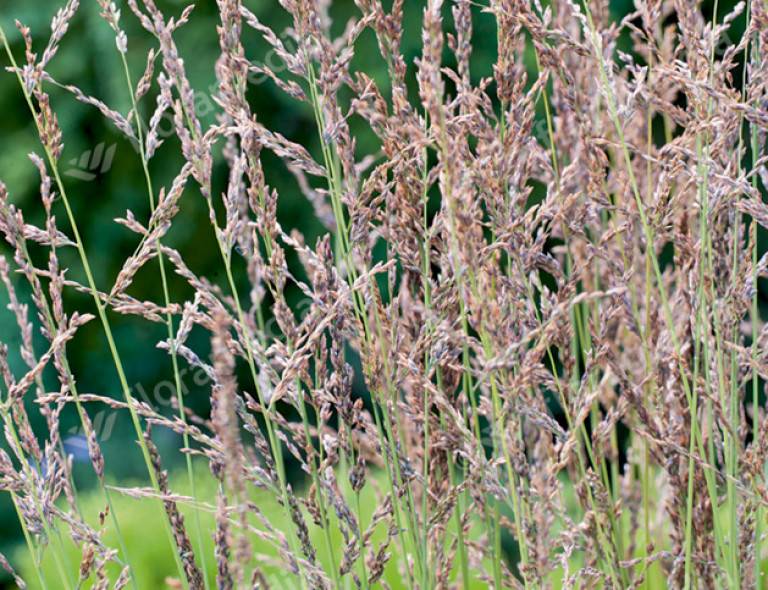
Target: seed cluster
532,324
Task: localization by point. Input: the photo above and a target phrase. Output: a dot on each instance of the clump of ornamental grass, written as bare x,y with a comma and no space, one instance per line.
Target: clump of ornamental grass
544,278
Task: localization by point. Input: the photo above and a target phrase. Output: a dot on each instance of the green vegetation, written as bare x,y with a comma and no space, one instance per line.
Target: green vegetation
440,294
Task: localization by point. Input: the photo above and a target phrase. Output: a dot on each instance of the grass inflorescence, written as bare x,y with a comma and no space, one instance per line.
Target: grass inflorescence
530,352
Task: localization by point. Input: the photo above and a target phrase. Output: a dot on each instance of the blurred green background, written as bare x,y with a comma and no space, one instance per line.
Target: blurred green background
88,59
